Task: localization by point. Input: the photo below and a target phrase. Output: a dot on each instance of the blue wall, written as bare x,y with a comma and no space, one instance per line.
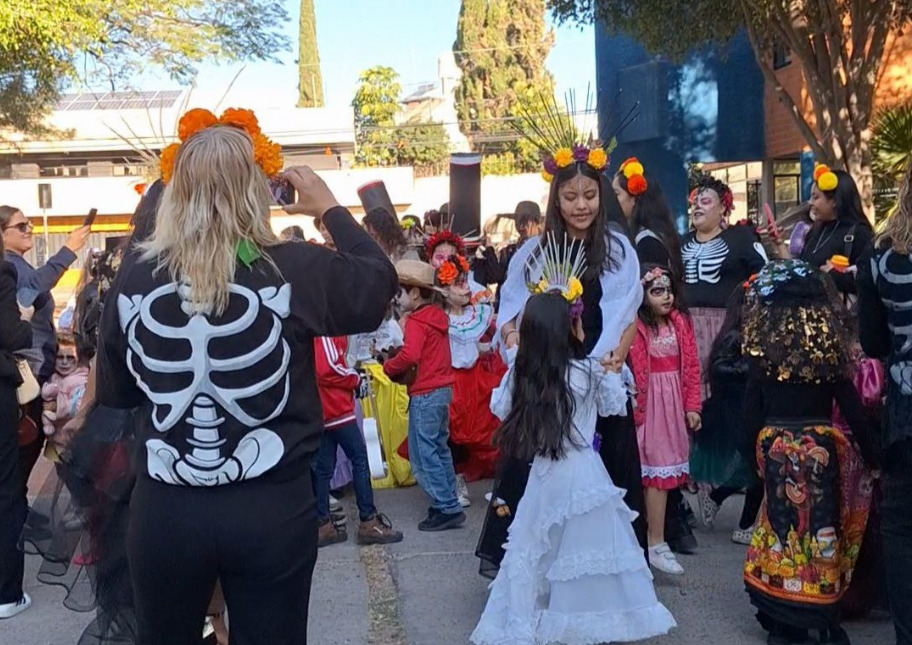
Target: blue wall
710,108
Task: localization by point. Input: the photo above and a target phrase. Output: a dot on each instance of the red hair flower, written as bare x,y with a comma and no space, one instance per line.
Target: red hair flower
636,185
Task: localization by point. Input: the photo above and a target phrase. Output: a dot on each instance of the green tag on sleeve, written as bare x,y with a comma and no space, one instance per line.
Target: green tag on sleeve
247,252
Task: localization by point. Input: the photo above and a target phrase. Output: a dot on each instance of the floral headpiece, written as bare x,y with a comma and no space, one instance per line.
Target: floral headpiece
444,237
826,179
633,171
450,271
775,275
656,276
551,129
708,182
268,154
407,224
556,268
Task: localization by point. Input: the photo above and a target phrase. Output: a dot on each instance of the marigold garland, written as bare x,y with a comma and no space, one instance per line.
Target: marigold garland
266,153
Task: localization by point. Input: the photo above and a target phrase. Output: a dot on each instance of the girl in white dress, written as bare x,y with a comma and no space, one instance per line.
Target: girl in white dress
573,572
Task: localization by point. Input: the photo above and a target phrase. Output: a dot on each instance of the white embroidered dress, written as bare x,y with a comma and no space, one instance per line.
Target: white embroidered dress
573,572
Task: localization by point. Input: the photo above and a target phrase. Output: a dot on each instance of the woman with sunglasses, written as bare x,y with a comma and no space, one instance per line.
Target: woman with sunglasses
34,289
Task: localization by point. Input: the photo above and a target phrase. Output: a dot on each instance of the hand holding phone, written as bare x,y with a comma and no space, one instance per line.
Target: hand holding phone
90,218
282,191
772,229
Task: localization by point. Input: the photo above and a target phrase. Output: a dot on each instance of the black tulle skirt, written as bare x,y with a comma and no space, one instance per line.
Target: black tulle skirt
78,524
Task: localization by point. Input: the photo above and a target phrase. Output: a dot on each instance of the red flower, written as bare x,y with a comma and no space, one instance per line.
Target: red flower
636,185
140,189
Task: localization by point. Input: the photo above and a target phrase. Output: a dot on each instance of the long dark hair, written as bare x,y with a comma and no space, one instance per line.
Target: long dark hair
144,216
651,212
728,341
598,240
847,200
388,231
541,419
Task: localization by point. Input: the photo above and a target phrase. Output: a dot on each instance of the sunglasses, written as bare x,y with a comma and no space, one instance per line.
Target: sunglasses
22,227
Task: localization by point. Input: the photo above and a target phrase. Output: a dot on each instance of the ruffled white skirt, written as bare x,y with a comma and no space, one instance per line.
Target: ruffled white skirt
573,573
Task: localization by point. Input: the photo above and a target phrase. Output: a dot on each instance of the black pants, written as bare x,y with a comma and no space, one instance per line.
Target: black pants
897,536
259,539
13,506
621,455
753,499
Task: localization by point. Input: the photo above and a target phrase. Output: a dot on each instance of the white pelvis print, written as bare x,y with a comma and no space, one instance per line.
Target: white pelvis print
206,465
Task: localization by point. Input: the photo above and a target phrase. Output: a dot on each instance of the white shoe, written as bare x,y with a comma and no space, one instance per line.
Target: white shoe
462,492
708,508
11,609
661,558
335,506
743,536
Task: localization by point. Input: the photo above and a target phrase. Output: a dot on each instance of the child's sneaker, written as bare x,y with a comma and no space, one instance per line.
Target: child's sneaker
661,558
708,508
437,521
462,492
378,530
743,536
329,533
11,609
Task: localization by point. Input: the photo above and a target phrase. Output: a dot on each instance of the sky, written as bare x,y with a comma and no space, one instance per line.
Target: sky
407,35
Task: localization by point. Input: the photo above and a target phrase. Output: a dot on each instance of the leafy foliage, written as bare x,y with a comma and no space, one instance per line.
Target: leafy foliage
46,45
310,80
380,141
501,47
892,146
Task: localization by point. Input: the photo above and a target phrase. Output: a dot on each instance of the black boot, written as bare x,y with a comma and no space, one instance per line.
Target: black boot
678,533
834,636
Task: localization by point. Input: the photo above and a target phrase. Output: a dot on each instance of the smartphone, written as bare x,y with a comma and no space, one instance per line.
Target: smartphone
770,220
90,217
282,192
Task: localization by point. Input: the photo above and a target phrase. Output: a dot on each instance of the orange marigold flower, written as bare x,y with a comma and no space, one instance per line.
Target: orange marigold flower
166,161
636,185
463,264
268,155
243,119
447,273
139,188
193,121
597,158
819,169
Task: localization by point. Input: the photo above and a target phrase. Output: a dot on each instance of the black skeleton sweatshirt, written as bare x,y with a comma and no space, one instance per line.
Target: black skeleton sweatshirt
233,397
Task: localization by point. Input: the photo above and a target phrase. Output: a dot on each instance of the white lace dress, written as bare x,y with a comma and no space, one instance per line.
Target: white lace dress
573,572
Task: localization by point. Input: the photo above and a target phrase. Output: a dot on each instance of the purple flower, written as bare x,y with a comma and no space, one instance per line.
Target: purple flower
580,153
551,166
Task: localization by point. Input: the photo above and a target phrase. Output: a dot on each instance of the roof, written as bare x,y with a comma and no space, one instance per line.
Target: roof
424,92
148,120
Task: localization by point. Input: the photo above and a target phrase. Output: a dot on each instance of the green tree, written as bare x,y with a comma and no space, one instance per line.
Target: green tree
46,45
424,145
310,83
501,47
838,44
892,147
375,105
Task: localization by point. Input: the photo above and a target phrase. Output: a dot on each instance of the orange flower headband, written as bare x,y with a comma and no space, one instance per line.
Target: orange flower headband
826,179
633,171
268,154
595,157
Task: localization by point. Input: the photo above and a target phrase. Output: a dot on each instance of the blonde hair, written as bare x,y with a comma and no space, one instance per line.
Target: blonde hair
898,227
216,198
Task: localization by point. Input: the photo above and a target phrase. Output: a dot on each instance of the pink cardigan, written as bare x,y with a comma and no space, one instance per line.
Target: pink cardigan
689,365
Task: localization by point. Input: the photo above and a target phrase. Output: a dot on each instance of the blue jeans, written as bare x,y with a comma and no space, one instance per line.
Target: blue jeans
429,454
352,441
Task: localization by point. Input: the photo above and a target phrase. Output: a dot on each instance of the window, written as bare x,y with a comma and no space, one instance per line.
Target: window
782,57
786,185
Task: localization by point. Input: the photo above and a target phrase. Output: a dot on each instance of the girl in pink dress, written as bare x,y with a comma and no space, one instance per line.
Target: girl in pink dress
666,369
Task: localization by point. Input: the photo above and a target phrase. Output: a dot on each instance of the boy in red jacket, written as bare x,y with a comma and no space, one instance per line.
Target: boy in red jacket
337,383
427,353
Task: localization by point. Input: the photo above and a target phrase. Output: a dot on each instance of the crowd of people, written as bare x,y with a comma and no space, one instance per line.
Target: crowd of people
214,386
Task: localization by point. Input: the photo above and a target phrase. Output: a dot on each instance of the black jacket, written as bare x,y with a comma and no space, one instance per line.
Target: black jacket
15,333
233,397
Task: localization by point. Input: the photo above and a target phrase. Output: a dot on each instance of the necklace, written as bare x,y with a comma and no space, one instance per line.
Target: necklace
822,240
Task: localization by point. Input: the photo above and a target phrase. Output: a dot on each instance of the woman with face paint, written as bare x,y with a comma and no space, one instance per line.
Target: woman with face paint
611,296
717,259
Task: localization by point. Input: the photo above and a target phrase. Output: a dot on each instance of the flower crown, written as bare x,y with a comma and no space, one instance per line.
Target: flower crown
633,171
826,179
656,275
445,236
450,270
595,157
556,268
268,154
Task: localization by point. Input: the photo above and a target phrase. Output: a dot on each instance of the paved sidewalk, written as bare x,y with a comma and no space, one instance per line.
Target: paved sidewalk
426,590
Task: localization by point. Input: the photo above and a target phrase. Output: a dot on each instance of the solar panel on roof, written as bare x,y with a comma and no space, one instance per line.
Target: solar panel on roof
124,100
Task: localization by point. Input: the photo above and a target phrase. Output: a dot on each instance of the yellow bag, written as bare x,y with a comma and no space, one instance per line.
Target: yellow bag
392,403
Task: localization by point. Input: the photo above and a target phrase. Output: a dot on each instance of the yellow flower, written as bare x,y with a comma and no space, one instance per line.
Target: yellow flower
597,158
563,157
542,286
632,169
828,181
166,161
574,290
547,176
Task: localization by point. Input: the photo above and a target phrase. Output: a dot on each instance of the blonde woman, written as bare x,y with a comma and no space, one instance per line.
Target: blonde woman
211,326
885,320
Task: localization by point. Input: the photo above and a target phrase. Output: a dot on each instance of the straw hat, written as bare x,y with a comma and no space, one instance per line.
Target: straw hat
414,273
